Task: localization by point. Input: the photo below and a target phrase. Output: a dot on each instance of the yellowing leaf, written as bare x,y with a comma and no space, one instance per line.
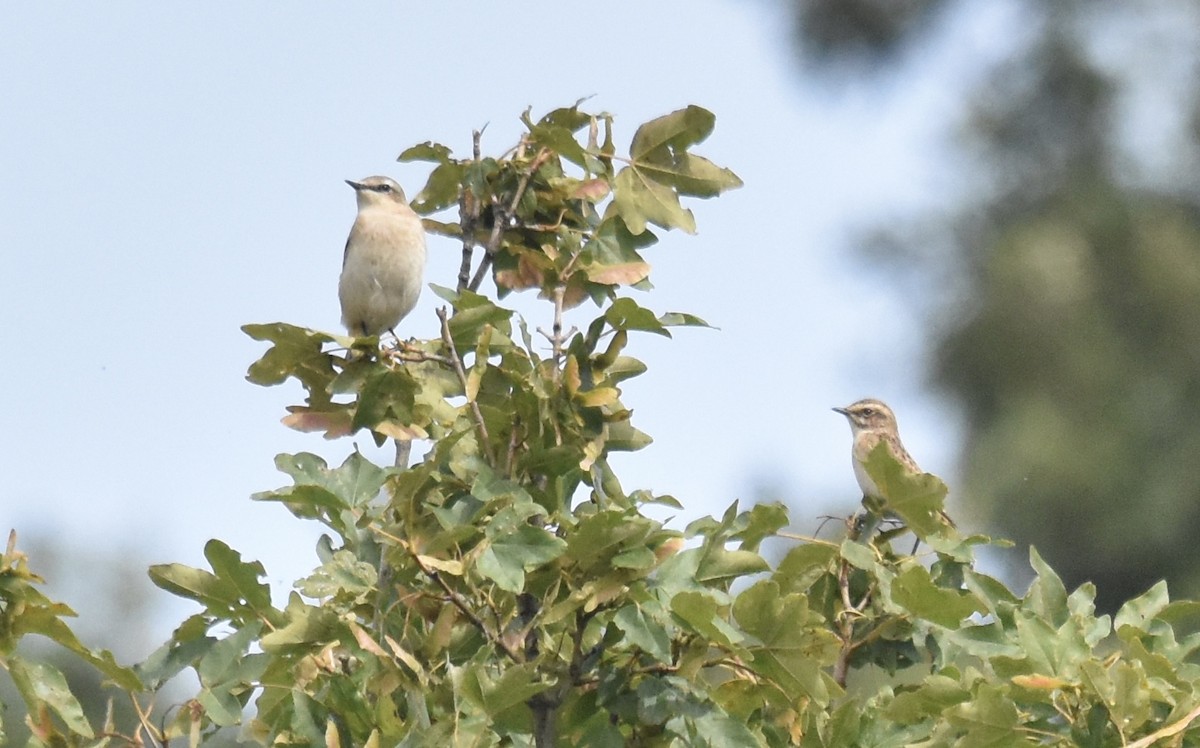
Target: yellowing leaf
626,273
571,375
400,431
448,566
1040,682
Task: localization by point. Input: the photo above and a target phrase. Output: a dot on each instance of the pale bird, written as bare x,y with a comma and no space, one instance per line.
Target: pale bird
872,422
384,263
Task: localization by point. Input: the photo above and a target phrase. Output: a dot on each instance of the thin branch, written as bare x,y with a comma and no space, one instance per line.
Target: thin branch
459,602
403,452
502,218
485,446
454,597
155,735
514,441
559,294
841,666
417,356
468,219
808,539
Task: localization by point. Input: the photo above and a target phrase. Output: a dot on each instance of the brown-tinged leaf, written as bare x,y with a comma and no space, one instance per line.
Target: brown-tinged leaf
526,274
624,274
334,423
592,190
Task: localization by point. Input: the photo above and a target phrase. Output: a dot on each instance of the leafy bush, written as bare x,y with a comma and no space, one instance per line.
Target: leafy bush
506,589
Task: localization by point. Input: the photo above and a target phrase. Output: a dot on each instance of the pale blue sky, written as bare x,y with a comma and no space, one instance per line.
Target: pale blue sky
171,172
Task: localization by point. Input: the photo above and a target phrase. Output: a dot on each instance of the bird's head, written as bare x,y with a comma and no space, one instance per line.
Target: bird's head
377,191
869,415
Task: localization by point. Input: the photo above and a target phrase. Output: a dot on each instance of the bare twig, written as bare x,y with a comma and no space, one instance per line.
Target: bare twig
468,218
807,539
413,355
559,294
403,452
155,735
485,446
841,666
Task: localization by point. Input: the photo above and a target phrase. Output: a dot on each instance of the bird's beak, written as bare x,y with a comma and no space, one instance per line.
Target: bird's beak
356,185
843,411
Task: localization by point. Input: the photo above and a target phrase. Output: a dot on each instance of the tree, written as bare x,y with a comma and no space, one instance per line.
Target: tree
1067,293
506,589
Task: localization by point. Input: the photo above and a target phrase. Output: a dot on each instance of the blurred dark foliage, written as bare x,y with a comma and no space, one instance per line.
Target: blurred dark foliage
1068,276
860,33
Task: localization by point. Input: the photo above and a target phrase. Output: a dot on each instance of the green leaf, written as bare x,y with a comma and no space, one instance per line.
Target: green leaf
623,437
440,191
217,596
915,591
1047,597
43,685
682,319
296,353
762,521
241,576
721,565
705,615
927,700
226,659
342,575
1143,609
639,201
794,645
625,314
306,627
643,632
188,643
321,492
514,688
689,174
719,730
678,131
507,557
387,395
660,152
427,151
916,498
803,565
990,720
473,312
599,537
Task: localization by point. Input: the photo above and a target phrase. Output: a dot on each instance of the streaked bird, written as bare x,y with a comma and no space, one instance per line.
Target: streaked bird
384,265
872,422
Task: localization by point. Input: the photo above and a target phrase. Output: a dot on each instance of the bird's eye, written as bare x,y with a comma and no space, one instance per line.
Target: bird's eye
868,412
384,188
